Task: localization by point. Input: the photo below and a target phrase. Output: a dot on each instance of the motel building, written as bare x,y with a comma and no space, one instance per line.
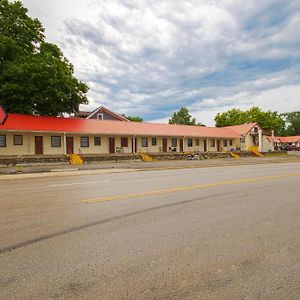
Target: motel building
104,132
285,140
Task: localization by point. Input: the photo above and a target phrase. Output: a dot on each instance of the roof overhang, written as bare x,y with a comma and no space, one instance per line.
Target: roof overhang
118,134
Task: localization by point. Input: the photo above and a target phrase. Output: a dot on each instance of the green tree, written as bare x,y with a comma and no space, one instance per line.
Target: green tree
292,121
183,117
133,119
231,117
35,77
266,119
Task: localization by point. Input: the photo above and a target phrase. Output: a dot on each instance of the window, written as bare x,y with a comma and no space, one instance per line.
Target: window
213,143
84,141
230,142
144,142
154,142
197,142
174,142
124,142
3,140
18,139
190,142
100,116
224,143
97,141
255,129
55,141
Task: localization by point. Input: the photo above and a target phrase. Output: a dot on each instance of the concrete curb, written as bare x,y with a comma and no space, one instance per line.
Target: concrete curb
63,173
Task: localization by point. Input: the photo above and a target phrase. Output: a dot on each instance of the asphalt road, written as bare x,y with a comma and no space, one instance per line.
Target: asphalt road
210,233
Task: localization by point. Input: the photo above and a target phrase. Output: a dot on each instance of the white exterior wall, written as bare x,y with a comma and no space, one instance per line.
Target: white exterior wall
103,148
28,147
267,146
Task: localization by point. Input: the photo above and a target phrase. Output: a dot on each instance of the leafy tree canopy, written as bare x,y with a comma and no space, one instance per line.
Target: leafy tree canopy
183,117
266,119
292,121
133,119
35,77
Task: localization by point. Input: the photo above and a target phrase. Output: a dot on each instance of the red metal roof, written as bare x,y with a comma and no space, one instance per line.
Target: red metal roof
290,139
277,139
285,139
19,122
243,128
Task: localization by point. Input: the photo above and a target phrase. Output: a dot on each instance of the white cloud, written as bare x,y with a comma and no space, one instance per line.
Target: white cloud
151,57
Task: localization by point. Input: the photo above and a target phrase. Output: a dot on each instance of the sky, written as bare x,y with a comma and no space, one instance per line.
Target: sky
149,58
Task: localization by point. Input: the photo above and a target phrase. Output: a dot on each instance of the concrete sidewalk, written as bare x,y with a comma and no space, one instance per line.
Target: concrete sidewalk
56,169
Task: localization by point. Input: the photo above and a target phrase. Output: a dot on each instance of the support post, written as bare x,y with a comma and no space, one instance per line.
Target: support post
260,140
133,144
273,147
65,144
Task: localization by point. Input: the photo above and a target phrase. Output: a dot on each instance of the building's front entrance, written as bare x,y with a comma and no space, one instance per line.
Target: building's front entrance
39,145
181,145
70,145
112,145
218,145
165,145
205,145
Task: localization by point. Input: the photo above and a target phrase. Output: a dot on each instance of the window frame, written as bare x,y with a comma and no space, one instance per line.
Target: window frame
97,138
190,143
102,116
212,143
4,139
19,136
146,142
230,142
124,142
154,141
87,139
53,144
197,142
225,143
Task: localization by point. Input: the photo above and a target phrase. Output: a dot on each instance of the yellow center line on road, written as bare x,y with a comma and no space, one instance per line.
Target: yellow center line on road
188,188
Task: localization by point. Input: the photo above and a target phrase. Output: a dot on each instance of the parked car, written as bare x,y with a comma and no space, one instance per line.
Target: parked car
289,148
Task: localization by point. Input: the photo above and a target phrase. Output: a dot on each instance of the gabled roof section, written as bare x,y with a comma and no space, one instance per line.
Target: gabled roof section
106,110
277,139
19,122
243,128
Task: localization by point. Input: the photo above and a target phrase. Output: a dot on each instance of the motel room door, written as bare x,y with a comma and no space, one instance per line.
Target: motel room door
112,148
218,145
181,145
39,145
70,145
134,145
165,145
